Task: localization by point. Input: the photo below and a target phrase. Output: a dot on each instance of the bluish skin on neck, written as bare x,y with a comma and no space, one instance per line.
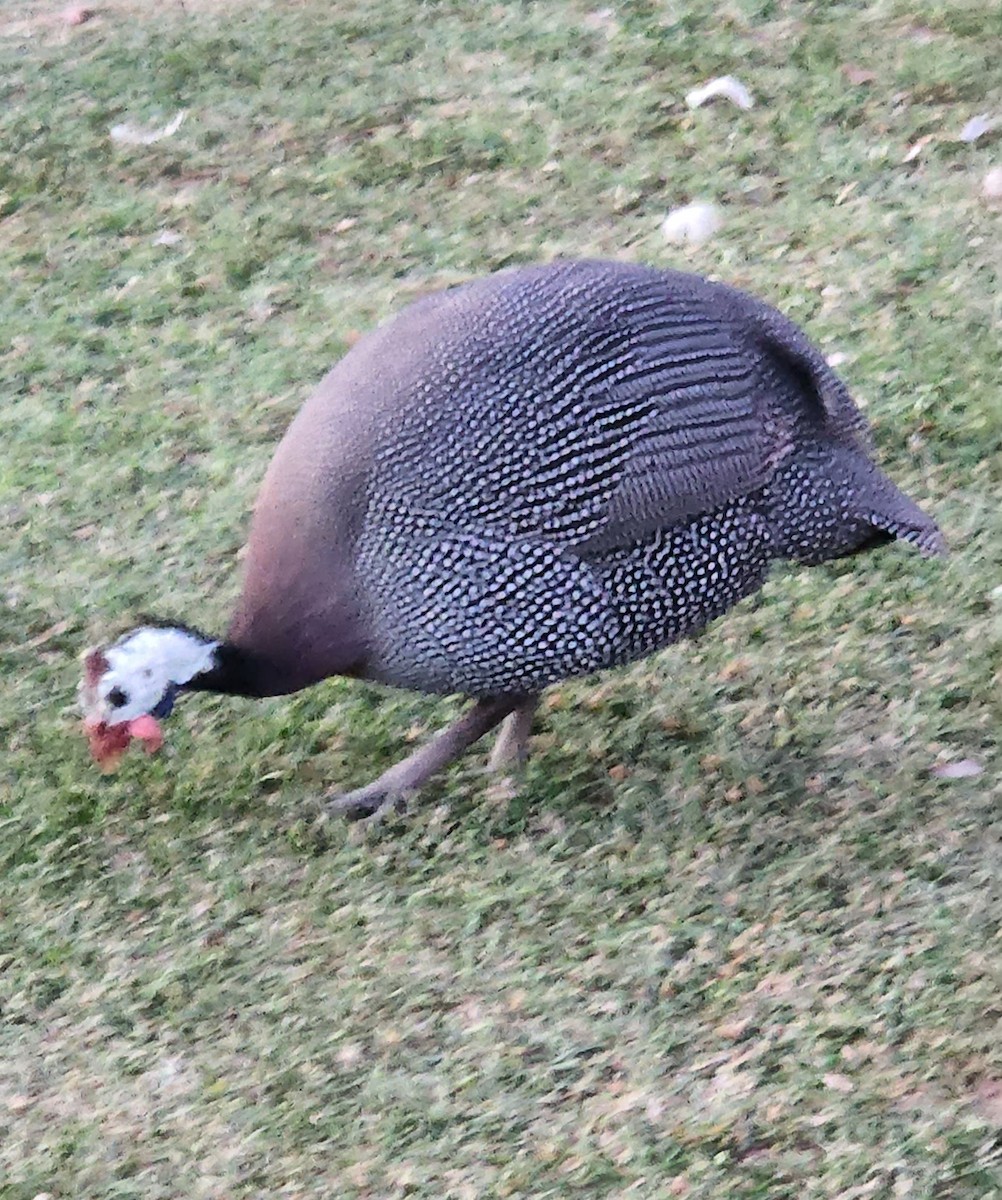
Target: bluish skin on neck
165,705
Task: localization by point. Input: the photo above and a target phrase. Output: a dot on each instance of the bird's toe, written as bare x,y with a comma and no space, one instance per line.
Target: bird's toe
367,804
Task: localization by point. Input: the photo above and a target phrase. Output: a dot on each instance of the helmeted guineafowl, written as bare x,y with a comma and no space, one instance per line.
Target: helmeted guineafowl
541,474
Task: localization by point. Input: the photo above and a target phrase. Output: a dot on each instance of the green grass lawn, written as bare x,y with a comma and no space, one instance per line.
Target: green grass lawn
731,936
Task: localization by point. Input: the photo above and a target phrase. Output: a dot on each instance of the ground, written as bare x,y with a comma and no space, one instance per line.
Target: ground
735,933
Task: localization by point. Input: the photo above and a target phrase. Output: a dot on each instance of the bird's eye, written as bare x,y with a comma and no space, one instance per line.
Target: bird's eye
117,698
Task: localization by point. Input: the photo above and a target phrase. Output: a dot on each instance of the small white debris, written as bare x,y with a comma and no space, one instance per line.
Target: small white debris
692,224
168,237
858,76
349,1055
838,1082
916,148
727,86
991,187
135,135
602,20
977,127
966,768
261,310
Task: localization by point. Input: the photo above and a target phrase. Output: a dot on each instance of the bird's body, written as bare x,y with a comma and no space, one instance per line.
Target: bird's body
542,474
546,473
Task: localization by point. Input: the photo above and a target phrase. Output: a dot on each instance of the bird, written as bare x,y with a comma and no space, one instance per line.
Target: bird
543,473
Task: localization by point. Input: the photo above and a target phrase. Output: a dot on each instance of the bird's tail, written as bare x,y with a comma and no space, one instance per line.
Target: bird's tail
831,501
888,510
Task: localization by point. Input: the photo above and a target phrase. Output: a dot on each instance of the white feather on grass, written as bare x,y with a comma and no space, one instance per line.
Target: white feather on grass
128,134
692,224
726,87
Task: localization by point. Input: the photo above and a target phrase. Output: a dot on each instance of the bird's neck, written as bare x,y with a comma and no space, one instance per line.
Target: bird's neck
239,672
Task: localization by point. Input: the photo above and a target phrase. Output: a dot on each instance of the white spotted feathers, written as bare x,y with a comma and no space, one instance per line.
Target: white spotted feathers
591,460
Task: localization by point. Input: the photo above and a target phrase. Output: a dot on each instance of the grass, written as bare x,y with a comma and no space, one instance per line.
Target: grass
729,937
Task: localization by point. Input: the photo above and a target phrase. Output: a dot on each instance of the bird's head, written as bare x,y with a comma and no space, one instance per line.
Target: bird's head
129,687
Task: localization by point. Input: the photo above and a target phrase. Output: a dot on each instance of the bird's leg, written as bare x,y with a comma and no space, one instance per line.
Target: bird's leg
413,772
511,747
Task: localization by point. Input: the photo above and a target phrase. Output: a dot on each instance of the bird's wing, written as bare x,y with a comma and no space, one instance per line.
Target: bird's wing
683,423
820,397
702,411
593,404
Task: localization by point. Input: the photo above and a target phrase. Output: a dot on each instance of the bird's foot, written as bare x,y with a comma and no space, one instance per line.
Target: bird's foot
390,791
368,805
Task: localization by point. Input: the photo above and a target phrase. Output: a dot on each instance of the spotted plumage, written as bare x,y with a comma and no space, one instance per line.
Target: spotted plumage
542,474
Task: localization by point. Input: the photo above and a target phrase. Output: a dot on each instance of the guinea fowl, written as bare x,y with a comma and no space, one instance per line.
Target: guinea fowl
538,475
